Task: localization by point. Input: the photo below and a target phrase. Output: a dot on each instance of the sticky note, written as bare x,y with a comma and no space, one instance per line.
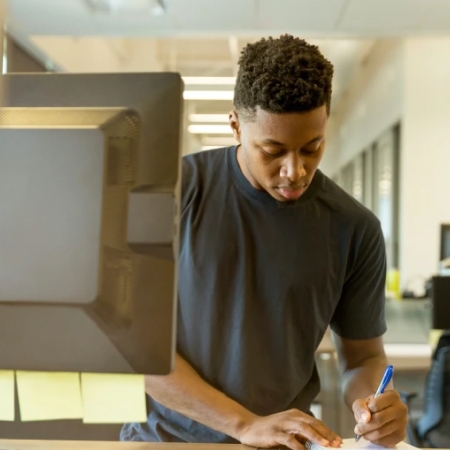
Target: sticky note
113,398
7,395
49,395
434,337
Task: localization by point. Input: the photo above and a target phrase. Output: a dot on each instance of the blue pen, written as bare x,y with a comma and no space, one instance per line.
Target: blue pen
384,382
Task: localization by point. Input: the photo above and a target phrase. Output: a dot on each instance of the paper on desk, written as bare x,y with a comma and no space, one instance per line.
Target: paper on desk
362,444
49,395
113,398
7,395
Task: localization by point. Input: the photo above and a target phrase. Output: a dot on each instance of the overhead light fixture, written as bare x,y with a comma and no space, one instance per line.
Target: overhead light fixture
154,7
210,129
210,80
208,95
211,118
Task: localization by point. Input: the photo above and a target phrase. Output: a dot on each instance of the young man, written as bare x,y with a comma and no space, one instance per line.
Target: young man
272,252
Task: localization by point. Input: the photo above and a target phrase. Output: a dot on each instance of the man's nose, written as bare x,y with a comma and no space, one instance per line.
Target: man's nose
294,168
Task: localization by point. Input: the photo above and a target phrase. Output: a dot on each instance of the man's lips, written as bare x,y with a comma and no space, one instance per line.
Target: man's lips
291,192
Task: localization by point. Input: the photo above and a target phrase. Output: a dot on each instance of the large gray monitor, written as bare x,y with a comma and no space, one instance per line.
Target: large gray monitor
89,194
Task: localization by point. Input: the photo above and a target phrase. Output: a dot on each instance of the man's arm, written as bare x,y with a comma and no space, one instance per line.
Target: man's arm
186,392
363,363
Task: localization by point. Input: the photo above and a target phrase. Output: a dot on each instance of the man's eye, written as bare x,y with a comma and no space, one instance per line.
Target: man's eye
310,151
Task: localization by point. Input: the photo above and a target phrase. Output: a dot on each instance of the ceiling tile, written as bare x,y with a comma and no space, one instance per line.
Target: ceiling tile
299,15
213,16
392,15
438,17
74,17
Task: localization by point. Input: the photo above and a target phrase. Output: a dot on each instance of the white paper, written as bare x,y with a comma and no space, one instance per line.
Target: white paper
362,444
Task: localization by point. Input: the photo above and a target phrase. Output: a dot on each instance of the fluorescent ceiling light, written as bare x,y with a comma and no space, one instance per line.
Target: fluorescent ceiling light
210,80
211,118
208,95
155,7
210,129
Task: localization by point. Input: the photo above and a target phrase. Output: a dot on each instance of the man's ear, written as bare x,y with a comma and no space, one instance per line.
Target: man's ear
235,125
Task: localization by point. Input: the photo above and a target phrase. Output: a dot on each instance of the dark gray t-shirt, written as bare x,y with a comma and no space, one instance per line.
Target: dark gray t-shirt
259,283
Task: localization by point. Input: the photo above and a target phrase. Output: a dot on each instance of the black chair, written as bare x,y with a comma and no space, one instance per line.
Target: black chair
433,428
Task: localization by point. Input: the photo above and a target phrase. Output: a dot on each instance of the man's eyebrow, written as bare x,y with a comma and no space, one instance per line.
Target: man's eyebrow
280,144
316,139
272,142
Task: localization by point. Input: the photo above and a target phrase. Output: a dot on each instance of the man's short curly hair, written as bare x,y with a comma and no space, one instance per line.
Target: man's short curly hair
282,75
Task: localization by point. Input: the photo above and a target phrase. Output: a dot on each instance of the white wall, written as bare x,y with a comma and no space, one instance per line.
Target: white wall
372,103
330,160
425,158
409,81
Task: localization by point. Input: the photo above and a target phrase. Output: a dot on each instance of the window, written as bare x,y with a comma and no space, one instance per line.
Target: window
372,178
385,190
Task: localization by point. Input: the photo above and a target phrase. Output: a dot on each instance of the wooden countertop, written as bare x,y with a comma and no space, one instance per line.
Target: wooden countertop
97,445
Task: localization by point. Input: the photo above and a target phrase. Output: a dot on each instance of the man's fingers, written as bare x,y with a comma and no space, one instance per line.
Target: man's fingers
377,421
361,411
383,401
386,436
324,431
289,441
310,434
384,420
321,428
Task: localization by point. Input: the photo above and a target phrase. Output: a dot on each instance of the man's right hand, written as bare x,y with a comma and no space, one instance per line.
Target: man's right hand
289,428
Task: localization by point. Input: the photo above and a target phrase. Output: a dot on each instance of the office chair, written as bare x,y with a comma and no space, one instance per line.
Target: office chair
432,429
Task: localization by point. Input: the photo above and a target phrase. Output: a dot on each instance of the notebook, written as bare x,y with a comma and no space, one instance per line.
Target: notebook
362,444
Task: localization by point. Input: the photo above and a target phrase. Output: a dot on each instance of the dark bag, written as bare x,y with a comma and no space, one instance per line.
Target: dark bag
433,428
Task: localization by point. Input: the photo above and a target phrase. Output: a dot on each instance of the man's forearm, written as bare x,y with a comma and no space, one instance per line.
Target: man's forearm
363,381
186,392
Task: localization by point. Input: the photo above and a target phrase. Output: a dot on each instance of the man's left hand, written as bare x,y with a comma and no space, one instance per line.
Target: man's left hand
381,420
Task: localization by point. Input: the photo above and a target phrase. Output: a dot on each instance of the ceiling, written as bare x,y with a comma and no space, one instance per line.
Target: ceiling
205,37
311,18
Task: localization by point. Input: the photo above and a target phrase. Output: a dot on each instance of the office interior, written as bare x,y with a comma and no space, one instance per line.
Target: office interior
387,142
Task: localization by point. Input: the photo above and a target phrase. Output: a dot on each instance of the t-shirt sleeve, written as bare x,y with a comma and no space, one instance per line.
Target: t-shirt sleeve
360,311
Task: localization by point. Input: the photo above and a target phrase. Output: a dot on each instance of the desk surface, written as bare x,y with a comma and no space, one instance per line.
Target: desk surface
88,445
95,445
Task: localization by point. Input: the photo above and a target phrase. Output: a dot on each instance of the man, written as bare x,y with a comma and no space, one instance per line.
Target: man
272,252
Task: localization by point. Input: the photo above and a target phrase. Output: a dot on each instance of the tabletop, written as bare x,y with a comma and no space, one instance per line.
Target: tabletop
98,445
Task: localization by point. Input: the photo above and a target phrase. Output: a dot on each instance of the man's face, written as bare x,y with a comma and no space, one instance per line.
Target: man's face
279,153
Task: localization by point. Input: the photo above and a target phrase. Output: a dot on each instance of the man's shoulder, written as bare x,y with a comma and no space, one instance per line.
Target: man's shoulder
201,171
345,205
205,159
